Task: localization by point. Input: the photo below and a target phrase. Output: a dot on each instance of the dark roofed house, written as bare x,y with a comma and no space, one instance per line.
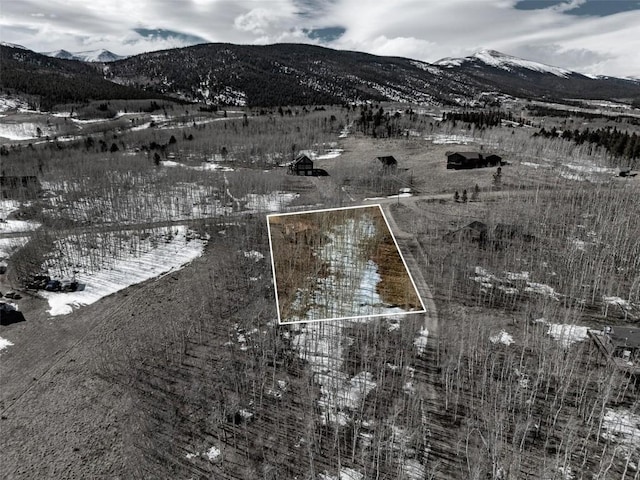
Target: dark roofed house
475,232
620,345
493,160
460,160
625,341
388,162
302,165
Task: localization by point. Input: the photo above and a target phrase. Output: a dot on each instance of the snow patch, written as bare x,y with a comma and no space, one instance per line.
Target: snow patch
541,289
11,103
447,139
213,454
173,253
567,335
24,130
344,296
8,246
254,255
508,63
420,341
330,154
321,344
268,202
502,337
4,343
622,426
616,301
517,276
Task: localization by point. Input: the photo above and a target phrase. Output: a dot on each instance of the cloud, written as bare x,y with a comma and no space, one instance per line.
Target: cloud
255,21
431,30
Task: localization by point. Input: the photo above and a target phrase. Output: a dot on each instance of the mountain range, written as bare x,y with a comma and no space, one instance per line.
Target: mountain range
101,55
300,74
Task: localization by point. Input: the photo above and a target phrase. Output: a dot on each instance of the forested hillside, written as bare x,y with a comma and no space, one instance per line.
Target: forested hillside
53,81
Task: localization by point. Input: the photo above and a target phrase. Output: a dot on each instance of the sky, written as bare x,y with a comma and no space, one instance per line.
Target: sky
599,37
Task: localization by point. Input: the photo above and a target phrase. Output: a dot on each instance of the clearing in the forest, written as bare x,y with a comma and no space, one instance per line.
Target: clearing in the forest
338,263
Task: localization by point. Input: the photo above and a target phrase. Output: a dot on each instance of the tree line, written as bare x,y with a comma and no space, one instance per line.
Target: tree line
616,142
481,119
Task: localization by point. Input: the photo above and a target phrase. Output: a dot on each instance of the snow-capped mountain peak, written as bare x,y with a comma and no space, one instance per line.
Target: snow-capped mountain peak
65,55
502,61
508,62
101,55
98,56
13,45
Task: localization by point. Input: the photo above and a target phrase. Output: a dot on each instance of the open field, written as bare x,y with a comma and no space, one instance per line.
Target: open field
186,373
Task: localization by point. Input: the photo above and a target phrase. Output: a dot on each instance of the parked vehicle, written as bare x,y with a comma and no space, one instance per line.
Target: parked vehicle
67,285
38,282
53,286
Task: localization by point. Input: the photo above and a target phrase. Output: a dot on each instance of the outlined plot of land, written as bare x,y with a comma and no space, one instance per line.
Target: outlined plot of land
338,263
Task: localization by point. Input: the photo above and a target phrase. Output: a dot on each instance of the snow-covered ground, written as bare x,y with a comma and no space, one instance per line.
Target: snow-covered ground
449,139
11,103
268,202
330,154
565,334
345,131
620,302
321,345
508,62
323,153
212,454
404,193
623,427
204,166
7,207
24,130
8,246
4,343
580,171
10,226
501,337
542,289
164,250
488,280
420,342
254,255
